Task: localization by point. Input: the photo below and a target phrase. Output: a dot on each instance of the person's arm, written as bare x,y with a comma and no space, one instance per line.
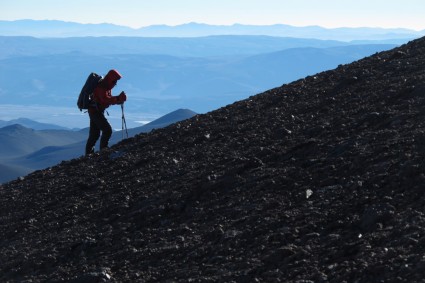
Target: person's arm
104,97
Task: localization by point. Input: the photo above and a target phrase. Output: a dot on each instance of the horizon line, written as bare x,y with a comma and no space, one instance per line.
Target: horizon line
217,25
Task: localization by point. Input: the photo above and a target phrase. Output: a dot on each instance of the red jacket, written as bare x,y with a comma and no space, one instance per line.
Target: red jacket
102,94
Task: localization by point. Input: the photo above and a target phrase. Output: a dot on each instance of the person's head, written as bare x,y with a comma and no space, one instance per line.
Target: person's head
112,77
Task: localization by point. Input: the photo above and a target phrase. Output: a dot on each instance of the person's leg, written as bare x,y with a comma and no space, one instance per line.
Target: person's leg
94,133
106,129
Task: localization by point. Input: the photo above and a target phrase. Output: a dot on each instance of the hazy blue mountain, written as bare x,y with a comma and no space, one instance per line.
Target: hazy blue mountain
175,116
17,140
280,30
54,28
159,83
13,46
9,172
69,29
28,123
170,118
28,153
48,156
262,70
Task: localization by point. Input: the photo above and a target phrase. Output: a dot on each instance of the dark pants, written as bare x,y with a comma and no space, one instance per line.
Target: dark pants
98,123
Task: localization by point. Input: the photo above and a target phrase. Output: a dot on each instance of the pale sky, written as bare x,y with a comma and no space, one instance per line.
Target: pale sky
139,13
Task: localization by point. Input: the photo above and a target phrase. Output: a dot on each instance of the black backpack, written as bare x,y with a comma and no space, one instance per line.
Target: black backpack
86,94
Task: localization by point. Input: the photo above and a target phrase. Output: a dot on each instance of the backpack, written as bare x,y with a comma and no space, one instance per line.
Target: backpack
86,94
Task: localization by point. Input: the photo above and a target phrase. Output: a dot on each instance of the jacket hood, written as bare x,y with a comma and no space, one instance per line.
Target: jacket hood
111,77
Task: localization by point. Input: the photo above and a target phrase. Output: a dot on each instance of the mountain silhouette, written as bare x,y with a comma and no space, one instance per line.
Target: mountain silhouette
203,84
54,28
170,118
319,180
25,150
28,123
18,140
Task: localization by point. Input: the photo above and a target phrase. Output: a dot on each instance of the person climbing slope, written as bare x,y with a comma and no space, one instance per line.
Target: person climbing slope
102,97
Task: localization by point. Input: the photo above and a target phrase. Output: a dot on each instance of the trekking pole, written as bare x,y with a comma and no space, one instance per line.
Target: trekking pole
123,124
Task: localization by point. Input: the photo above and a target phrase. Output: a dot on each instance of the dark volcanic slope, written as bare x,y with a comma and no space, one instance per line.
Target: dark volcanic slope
319,180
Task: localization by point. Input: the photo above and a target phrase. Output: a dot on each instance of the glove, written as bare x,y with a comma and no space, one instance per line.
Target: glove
122,97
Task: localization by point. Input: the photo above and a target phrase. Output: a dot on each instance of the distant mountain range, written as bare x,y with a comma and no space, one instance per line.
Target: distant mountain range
162,74
17,140
163,83
51,28
24,150
211,46
28,123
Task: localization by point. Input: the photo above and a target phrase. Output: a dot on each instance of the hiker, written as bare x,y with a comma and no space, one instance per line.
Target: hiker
102,96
